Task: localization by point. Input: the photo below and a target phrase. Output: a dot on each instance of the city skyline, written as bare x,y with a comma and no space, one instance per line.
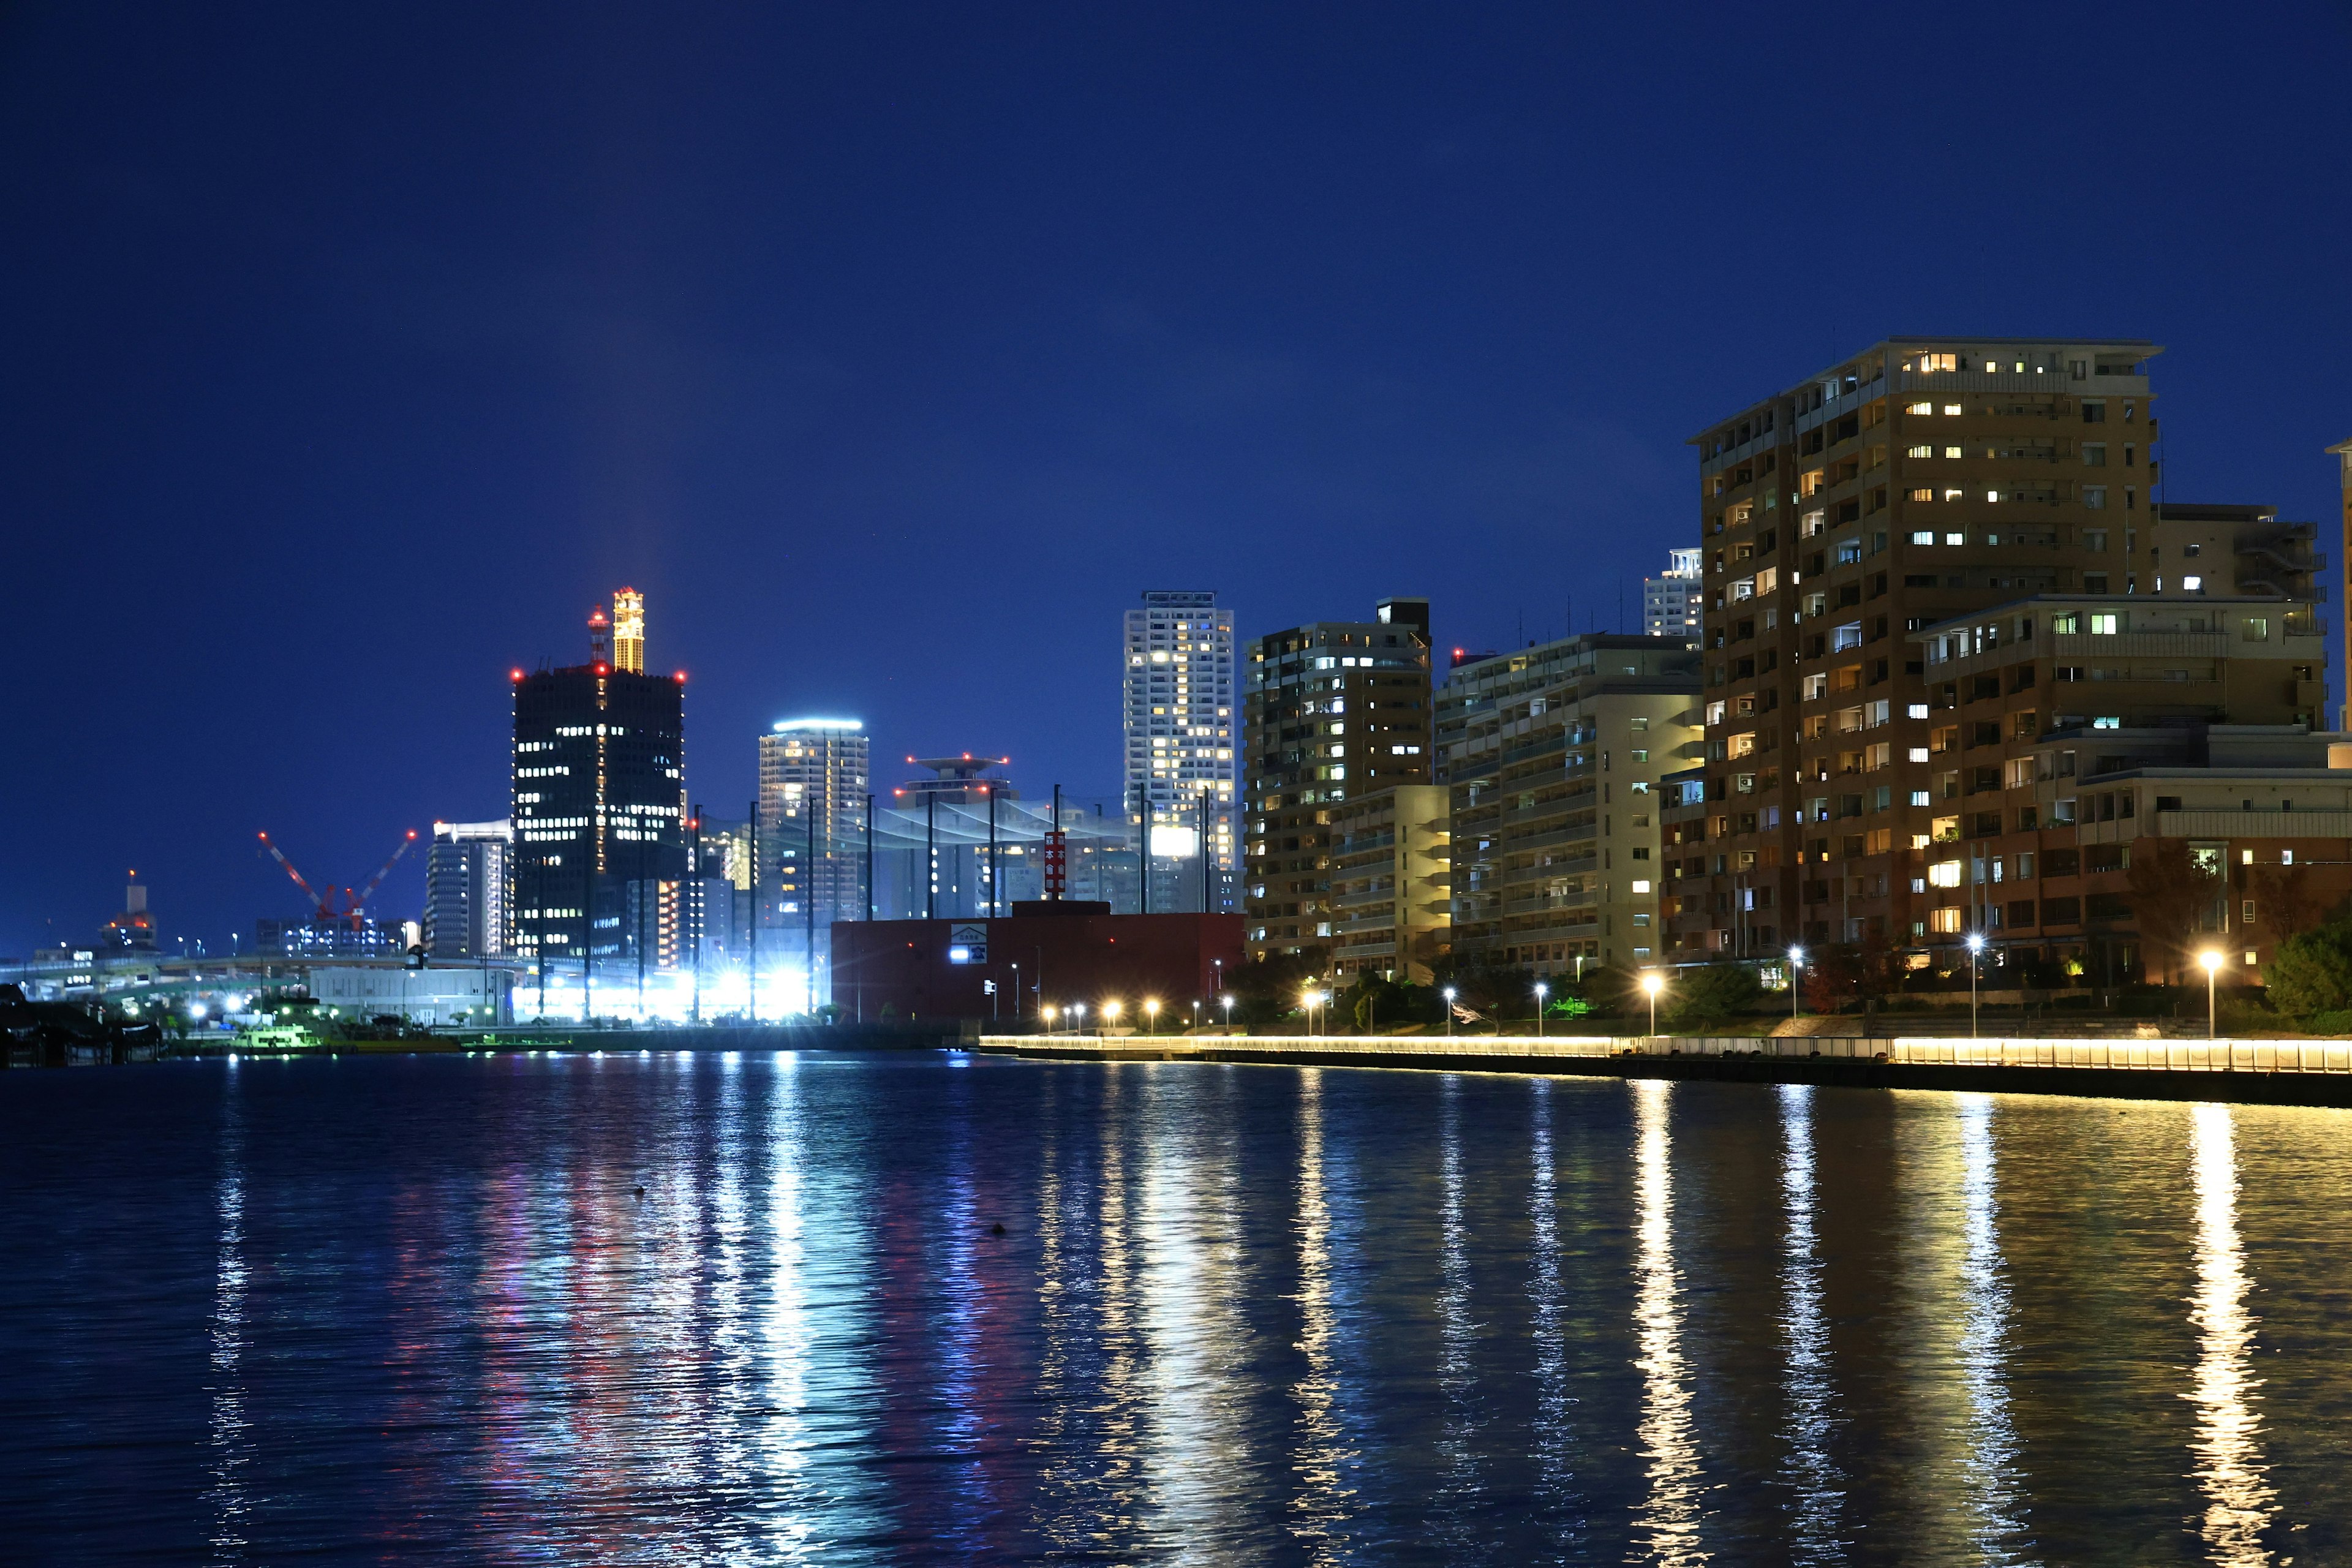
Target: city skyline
351,458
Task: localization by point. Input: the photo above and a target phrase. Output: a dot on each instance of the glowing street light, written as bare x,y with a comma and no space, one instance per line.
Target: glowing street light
1110,1014
2211,961
1542,990
1976,948
1151,1015
1078,1017
1307,1004
1653,981
1047,1011
1448,995
1796,962
1227,1002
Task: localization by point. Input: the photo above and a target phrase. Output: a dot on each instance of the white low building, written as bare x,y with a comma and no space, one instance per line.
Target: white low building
425,996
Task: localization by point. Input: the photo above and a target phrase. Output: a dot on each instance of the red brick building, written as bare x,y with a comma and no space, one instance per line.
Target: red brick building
1054,954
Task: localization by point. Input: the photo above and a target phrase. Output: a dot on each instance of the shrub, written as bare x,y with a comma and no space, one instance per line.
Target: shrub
2313,973
1715,991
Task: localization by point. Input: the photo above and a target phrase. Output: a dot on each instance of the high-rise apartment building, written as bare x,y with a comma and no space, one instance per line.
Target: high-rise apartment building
598,800
813,777
1915,483
1178,703
468,891
1673,606
1553,759
1334,711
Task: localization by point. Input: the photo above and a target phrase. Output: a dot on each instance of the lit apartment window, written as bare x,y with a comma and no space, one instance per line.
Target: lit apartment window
1919,409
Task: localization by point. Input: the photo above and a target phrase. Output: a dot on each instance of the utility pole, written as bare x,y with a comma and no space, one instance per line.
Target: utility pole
992,850
1143,849
869,865
1205,902
930,853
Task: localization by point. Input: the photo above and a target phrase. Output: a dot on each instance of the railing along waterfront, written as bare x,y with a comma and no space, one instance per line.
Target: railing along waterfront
2117,1055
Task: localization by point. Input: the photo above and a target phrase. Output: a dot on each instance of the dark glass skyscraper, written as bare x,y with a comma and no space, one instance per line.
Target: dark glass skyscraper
599,801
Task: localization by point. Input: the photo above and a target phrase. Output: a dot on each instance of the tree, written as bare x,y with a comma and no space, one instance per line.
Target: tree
1267,989
2284,900
2172,894
2312,973
1713,991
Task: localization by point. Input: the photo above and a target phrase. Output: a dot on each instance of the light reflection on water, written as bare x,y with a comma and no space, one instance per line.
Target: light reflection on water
420,1310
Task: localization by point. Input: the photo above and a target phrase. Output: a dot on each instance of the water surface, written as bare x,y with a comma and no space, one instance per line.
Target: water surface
418,1310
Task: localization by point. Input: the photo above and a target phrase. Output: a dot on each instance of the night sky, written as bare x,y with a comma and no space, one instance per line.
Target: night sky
349,354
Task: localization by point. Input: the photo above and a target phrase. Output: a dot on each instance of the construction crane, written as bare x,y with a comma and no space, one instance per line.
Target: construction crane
353,906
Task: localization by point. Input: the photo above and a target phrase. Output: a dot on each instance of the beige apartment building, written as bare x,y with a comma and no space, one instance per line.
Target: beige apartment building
1918,482
1333,713
1390,873
1552,758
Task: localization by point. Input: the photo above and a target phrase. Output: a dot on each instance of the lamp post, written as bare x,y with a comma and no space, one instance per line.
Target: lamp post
1151,1015
1976,947
1306,1005
1078,1017
1796,962
1448,995
1045,1013
1228,1003
2211,962
1110,1014
1196,1014
1653,982
1542,990
1016,994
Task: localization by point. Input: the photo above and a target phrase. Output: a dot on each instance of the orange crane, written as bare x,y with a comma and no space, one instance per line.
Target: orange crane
353,905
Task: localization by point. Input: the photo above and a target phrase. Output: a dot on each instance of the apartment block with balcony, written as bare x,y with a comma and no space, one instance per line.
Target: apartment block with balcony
1334,712
2027,701
1909,484
1552,758
1388,883
2242,551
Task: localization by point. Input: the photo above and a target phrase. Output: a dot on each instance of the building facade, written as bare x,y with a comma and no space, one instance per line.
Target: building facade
814,779
1674,605
1180,770
1334,711
2342,453
1553,759
599,801
1390,872
1916,482
1060,955
468,891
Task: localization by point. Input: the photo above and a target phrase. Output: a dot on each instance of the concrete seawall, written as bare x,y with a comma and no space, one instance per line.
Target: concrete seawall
2271,1072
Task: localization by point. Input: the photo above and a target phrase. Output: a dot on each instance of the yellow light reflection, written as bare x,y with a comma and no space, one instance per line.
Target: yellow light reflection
1669,1517
2231,1469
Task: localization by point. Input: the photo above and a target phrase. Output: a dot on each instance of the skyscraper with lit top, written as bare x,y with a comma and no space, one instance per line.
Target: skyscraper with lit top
598,792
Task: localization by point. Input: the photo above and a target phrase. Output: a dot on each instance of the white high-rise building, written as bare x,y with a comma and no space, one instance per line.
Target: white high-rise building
1670,605
811,849
1182,768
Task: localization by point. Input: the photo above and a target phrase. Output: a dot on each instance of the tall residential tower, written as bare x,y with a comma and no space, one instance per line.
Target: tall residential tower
1180,770
813,801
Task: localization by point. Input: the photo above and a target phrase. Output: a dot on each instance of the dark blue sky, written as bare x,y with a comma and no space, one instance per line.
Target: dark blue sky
348,354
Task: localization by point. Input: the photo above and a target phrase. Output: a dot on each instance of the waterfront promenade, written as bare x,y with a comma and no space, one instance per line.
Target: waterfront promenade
2253,1071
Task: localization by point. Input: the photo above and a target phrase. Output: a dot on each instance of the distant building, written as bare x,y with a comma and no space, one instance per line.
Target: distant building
429,998
133,931
468,896
1336,711
1674,605
599,801
2236,551
629,631
1178,707
332,937
813,781
1553,757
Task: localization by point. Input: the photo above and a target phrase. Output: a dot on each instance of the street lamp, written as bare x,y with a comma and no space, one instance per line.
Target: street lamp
1110,1014
1151,1015
1078,1017
1976,947
1306,1005
2213,964
1196,1014
1448,995
1796,962
1227,1002
1542,990
1045,1011
1653,981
